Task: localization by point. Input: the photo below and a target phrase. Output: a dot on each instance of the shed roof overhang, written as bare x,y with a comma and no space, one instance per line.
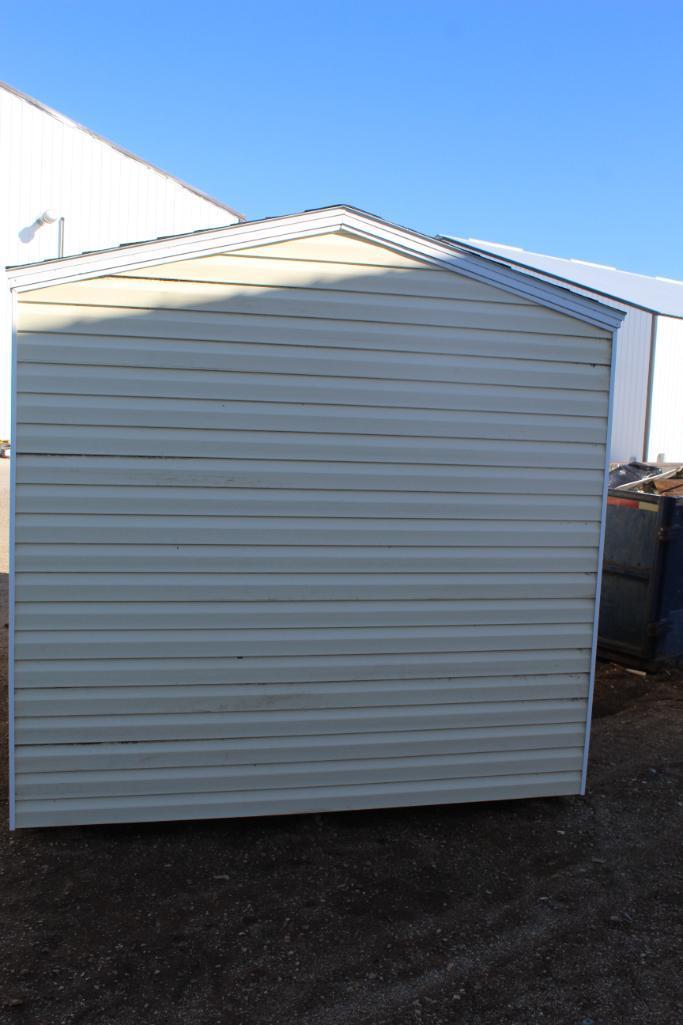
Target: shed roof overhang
342,218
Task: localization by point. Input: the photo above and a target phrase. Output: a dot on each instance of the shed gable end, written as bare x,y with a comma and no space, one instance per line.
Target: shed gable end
301,526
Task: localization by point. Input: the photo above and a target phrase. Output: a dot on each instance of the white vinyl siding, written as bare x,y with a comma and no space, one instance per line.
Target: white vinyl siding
306,527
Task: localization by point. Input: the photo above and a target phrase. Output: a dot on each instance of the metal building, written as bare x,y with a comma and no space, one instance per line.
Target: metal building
307,515
647,422
66,190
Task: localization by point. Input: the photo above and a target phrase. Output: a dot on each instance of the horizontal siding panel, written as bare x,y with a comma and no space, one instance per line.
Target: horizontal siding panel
168,615
328,773
62,557
193,698
185,671
50,378
224,473
55,644
160,808
201,502
338,247
278,587
302,722
193,414
307,360
44,324
152,441
282,530
77,758
130,296
243,270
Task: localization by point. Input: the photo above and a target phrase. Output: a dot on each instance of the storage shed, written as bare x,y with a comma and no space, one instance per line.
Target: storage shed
307,515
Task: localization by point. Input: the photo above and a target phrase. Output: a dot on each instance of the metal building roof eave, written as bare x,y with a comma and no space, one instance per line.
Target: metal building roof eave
348,219
510,256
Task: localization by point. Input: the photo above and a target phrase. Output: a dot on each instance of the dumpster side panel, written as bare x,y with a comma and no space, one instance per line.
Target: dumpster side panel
669,638
641,609
630,557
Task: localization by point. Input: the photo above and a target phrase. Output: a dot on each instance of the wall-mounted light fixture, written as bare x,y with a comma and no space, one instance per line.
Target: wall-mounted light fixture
48,216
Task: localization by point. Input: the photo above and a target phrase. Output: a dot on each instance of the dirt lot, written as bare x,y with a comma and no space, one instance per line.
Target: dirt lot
557,912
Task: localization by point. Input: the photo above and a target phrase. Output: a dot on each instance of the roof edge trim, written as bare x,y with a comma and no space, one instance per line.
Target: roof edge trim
366,226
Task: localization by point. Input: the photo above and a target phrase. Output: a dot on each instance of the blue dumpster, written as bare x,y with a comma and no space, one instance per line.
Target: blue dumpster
641,608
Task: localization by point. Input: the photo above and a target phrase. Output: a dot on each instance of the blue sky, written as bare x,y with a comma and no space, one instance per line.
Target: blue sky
556,126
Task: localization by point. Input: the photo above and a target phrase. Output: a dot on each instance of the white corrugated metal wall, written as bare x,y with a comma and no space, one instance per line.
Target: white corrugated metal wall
666,419
105,196
631,385
313,526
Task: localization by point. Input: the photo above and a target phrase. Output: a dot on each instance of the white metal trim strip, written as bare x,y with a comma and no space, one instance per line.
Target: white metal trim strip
12,514
598,575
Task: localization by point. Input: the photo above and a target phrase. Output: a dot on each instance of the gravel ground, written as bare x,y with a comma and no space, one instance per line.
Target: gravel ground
564,911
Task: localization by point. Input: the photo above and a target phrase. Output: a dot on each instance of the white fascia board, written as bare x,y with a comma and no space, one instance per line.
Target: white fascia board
168,250
315,222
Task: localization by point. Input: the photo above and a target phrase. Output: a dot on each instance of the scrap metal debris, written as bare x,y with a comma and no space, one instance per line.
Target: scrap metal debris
650,478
